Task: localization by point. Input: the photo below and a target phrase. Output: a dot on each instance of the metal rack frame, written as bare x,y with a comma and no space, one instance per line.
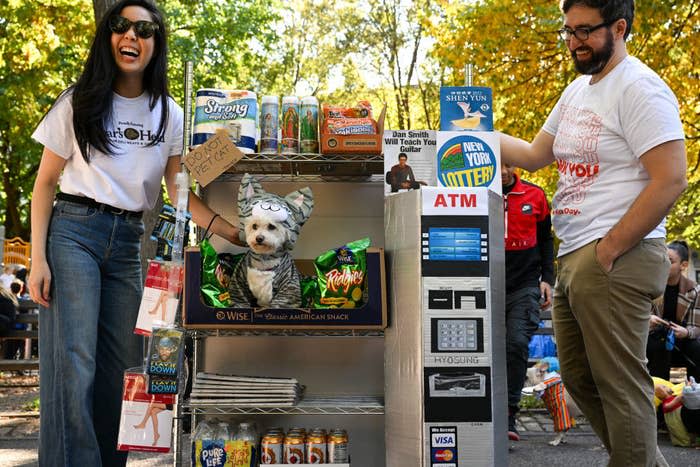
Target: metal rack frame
310,167
305,164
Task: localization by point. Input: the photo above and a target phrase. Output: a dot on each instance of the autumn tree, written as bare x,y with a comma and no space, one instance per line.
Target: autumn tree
42,45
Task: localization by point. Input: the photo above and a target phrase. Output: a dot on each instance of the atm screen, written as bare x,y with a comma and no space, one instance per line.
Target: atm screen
454,244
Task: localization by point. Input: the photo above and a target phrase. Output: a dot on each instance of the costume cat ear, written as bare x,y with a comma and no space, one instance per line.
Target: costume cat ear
302,202
249,188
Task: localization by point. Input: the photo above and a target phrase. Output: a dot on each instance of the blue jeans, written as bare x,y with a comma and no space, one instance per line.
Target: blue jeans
522,320
87,335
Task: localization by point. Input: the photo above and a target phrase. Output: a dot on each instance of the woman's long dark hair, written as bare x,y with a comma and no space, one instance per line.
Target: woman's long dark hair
93,92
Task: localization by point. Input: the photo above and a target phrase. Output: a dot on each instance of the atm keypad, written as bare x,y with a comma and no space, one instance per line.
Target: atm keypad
456,335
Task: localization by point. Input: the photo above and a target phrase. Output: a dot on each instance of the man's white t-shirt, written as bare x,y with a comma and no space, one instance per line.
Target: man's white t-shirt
600,132
131,177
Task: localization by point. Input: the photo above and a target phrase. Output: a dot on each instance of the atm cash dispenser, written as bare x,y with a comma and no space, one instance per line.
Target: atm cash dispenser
445,379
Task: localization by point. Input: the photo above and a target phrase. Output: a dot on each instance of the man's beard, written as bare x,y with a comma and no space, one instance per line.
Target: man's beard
598,59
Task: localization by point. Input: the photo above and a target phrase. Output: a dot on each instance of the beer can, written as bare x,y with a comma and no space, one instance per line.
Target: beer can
269,124
293,449
271,448
316,447
290,124
338,447
308,135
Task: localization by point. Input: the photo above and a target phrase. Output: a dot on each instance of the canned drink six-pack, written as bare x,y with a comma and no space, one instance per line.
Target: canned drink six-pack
298,446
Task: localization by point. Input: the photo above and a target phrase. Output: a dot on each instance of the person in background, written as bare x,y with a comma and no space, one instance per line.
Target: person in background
7,277
17,288
110,138
679,407
529,276
401,177
674,332
8,314
617,138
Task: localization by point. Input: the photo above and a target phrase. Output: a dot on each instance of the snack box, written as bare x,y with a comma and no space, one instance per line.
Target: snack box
373,315
355,144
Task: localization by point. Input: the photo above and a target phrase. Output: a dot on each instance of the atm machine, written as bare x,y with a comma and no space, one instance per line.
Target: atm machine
445,377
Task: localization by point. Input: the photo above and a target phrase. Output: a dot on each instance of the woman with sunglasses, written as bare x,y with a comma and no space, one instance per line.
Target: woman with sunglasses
110,138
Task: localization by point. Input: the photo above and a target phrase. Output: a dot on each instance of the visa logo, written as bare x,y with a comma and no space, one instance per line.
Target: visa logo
443,440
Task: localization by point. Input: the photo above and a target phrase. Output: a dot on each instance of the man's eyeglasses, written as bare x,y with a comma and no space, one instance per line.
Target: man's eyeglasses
144,29
581,33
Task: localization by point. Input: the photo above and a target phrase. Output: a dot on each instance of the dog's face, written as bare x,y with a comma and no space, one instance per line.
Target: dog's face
265,231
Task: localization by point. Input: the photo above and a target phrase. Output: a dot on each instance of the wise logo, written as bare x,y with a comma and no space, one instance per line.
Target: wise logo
466,161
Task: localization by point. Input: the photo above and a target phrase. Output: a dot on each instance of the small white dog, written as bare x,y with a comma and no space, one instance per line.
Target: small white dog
267,276
544,381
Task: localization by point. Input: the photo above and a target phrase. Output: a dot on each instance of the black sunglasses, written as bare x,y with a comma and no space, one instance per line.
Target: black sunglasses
144,29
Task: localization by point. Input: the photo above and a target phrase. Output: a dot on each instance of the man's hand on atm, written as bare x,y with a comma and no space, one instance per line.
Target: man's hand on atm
546,295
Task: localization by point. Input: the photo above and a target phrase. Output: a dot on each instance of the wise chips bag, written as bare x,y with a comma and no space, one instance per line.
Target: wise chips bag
341,275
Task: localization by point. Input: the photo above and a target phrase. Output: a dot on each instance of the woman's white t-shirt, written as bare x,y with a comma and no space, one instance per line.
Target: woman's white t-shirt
600,131
131,177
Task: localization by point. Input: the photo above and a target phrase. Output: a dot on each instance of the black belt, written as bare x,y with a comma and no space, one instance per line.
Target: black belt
94,204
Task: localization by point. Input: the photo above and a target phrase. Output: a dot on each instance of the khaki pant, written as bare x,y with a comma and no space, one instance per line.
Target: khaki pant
601,324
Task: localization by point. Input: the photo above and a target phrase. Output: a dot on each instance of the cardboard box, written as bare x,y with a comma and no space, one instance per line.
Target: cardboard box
197,314
354,144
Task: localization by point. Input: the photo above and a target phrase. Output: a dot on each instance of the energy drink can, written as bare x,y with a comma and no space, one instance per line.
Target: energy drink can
316,447
338,447
290,125
308,139
293,449
269,124
271,448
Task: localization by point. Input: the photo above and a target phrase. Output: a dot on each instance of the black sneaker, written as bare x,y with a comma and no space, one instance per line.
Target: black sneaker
513,434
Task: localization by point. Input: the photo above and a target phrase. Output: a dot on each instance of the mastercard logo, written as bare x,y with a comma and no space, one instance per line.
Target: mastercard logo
445,455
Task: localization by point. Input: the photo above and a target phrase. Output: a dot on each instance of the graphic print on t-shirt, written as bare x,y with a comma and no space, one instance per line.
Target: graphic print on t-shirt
129,133
577,137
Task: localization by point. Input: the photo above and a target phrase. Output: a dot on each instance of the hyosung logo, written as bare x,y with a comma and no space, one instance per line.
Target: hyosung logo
466,161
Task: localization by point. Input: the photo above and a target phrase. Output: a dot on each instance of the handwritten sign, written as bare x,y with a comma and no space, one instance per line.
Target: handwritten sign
211,159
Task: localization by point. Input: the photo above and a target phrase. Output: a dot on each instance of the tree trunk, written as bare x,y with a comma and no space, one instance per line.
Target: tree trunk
100,7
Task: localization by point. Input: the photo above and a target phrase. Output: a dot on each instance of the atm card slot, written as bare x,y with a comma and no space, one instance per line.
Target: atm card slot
440,300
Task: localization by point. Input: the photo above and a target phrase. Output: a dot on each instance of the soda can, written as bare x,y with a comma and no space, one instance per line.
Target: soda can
293,449
290,125
271,448
338,447
308,139
269,124
316,447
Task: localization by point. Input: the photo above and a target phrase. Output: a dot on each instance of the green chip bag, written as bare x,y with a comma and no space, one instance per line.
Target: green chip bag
309,291
216,271
341,276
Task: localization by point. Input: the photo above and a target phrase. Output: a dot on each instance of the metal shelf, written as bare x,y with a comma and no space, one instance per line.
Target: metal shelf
312,405
333,165
203,333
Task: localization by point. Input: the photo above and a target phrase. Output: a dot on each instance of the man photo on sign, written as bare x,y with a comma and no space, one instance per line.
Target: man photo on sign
617,139
401,177
529,276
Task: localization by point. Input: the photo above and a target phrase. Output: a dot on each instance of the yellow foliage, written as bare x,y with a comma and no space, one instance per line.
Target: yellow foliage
516,51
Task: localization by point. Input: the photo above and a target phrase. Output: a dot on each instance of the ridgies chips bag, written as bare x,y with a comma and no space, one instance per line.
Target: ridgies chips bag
341,275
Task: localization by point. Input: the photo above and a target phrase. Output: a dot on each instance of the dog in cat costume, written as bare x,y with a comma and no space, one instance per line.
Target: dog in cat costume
267,277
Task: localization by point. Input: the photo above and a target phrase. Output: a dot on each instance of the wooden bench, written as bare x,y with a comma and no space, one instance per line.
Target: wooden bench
29,316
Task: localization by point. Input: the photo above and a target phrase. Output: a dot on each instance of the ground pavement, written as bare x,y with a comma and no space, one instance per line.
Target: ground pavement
18,446
19,439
